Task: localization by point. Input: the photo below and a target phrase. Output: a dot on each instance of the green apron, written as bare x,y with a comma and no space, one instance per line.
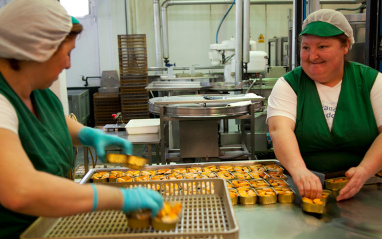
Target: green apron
45,139
354,127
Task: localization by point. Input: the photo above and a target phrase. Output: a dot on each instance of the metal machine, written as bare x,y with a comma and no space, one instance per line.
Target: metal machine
222,54
199,117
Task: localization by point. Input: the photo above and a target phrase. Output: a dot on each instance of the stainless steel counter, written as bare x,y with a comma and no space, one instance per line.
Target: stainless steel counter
359,217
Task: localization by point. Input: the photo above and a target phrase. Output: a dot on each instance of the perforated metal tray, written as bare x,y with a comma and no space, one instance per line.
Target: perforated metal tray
207,213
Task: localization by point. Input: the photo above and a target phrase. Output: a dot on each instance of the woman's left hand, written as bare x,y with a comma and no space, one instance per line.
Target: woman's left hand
99,140
357,178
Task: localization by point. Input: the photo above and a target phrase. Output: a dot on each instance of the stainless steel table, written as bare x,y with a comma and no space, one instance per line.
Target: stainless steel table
359,217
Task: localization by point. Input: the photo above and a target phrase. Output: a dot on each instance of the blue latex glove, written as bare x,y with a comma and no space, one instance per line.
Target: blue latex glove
97,139
141,198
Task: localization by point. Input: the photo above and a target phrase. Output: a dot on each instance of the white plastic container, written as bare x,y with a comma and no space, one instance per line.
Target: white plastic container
143,126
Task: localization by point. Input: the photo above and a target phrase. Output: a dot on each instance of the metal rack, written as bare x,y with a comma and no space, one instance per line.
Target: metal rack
133,76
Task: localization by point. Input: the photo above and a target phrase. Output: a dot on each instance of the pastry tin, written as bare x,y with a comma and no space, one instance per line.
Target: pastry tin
282,198
100,177
335,186
229,184
239,183
112,180
249,200
313,208
139,219
160,225
266,199
99,180
254,183
274,168
131,161
208,175
277,182
325,196
234,199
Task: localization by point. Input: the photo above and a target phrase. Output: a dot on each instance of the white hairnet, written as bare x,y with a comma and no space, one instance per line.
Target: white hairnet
332,17
32,29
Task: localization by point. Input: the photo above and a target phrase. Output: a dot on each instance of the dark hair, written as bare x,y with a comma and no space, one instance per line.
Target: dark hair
76,29
14,64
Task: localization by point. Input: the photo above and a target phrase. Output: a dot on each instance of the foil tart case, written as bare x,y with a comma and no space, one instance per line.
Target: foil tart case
237,183
247,200
165,171
159,177
225,175
241,169
112,179
271,174
101,177
195,170
325,196
208,175
161,225
225,168
140,219
313,208
131,161
234,199
211,168
266,199
274,168
229,184
241,175
124,179
331,184
99,180
257,168
285,198
133,173
255,183
277,182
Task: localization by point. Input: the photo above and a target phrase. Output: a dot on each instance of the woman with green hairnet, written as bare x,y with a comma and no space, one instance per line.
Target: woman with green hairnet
36,139
326,115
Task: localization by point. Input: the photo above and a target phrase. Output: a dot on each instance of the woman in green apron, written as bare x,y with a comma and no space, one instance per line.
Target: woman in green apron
326,115
36,139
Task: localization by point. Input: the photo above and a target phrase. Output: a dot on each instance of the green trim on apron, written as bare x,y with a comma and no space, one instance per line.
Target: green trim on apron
354,127
45,139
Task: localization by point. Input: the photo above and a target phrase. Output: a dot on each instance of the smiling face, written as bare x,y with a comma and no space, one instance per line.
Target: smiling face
323,58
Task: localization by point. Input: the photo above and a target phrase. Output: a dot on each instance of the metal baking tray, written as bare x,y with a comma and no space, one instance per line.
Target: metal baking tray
206,214
88,175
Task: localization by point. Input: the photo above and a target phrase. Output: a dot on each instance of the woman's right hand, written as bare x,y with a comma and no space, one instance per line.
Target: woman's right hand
308,184
141,198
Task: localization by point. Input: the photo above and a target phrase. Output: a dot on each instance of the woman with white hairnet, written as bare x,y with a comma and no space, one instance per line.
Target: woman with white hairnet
326,115
36,139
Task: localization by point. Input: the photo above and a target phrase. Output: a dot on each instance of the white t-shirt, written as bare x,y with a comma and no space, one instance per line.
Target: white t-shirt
283,100
8,115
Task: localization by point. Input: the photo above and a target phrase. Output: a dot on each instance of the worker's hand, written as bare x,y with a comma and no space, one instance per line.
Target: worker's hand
97,139
357,178
308,184
141,198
